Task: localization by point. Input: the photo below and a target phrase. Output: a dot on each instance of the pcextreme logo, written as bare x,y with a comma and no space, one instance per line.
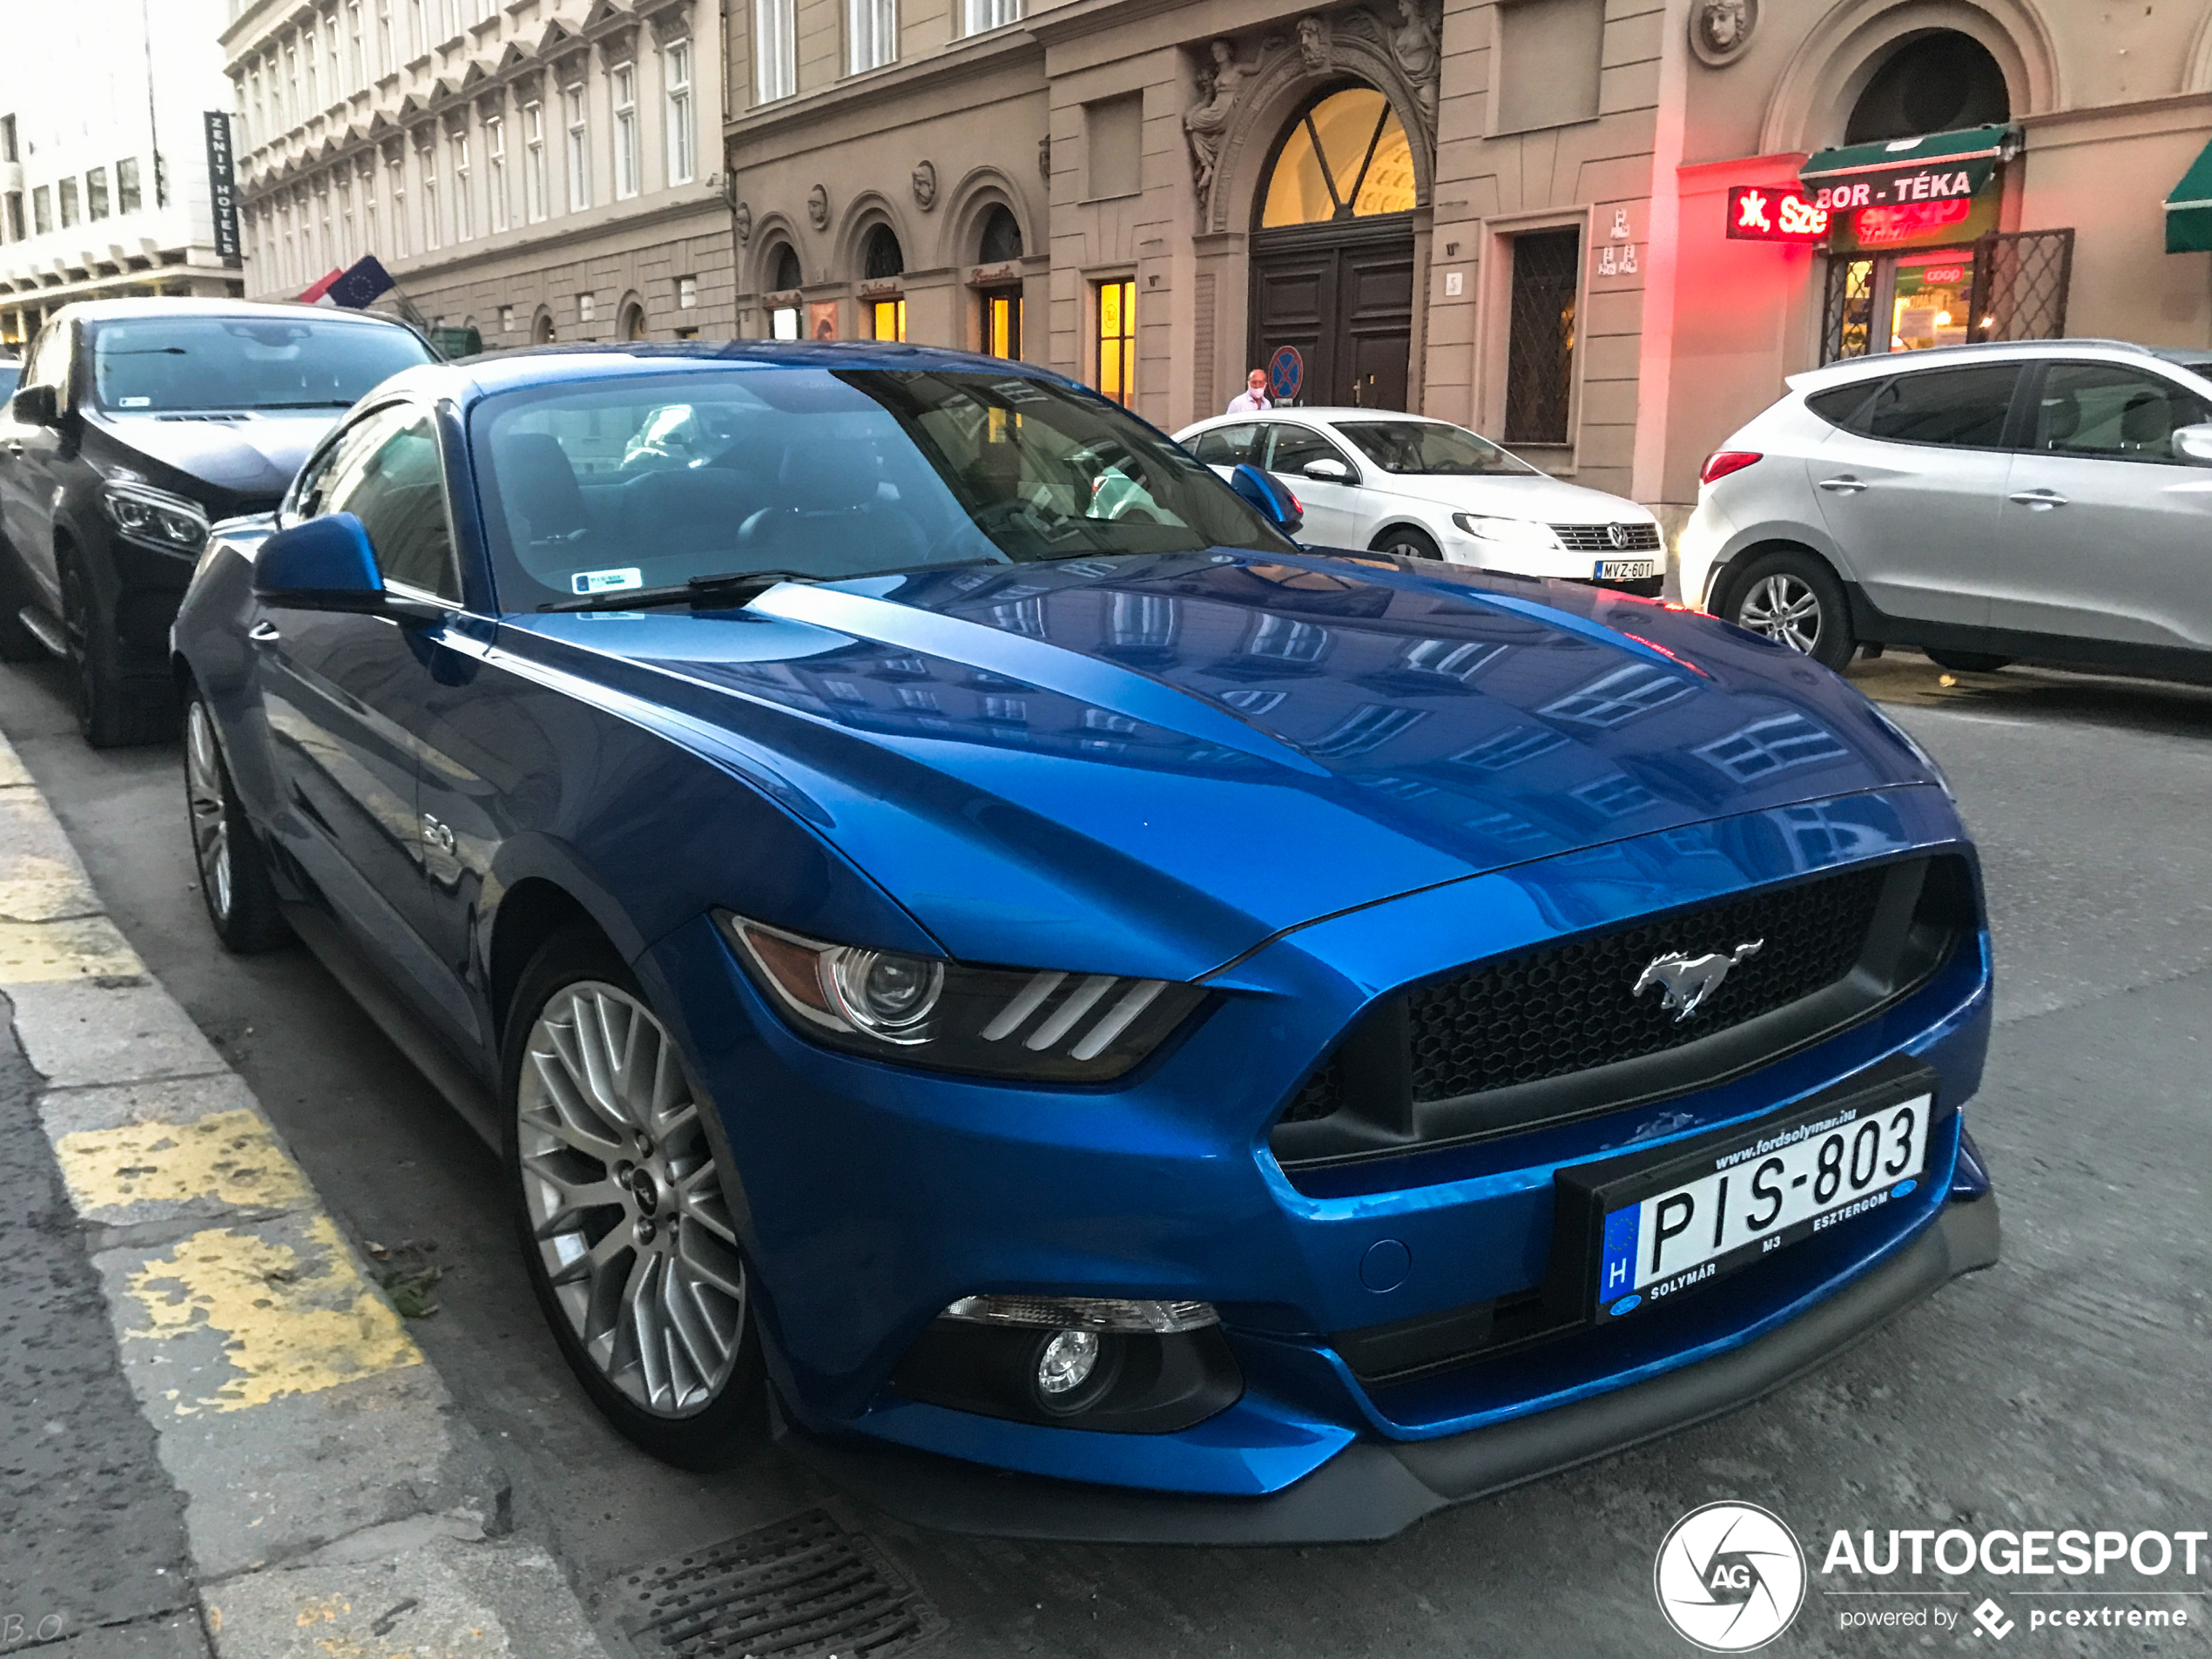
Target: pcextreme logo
1730,1577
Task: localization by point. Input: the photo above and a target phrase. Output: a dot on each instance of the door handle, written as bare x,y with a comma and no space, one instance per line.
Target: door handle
264,633
1844,486
2038,500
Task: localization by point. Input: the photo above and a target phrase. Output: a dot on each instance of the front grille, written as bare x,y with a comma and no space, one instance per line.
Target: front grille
1559,1032
1598,538
1571,1007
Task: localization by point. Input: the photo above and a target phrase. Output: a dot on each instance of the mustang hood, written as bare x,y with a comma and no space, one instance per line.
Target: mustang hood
1153,763
245,457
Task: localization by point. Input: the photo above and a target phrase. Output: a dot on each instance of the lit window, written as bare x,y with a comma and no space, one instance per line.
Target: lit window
622,81
579,150
887,318
872,28
1002,324
775,49
683,142
1117,303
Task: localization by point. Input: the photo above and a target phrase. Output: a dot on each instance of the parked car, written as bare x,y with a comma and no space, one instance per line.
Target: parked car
139,422
2049,500
1128,1027
11,372
1427,489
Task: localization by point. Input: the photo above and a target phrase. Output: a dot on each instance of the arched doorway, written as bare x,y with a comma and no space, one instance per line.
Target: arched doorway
633,321
1332,255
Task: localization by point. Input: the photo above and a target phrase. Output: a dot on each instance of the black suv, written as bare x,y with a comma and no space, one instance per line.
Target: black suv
136,424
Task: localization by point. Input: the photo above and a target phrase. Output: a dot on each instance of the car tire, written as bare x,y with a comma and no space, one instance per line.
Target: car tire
1407,542
1966,662
1795,600
111,711
647,1295
18,642
234,881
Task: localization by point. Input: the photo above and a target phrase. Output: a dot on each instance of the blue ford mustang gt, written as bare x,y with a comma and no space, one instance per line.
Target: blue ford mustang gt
1098,1019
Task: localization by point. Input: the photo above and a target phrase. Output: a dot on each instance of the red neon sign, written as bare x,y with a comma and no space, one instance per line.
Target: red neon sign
1768,213
1877,226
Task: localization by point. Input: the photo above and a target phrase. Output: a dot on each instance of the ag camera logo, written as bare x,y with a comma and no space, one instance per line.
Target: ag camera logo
1731,1577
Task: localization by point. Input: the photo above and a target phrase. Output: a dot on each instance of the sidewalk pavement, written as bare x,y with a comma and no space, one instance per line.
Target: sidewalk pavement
317,1494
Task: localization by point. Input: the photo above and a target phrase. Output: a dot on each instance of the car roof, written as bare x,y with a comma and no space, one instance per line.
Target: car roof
528,366
193,306
1331,413
2000,351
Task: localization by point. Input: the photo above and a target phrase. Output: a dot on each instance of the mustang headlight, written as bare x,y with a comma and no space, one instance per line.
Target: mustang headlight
1044,1024
1522,535
155,517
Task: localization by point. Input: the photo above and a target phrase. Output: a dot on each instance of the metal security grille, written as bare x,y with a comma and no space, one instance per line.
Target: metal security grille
1539,346
1572,1007
1847,320
2021,283
801,1587
1598,538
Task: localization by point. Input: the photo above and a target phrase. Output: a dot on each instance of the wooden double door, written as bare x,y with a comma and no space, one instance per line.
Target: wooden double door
1341,296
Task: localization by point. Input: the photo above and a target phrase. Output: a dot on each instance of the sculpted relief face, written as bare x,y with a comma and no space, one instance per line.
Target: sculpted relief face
1723,24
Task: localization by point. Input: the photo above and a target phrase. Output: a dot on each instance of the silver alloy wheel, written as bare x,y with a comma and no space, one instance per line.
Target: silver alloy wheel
625,1202
210,827
1783,607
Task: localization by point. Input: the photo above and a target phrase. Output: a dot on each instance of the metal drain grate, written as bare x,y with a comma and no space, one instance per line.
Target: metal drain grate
799,1587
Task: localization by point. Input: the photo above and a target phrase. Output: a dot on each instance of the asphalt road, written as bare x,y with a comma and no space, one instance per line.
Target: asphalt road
2061,1389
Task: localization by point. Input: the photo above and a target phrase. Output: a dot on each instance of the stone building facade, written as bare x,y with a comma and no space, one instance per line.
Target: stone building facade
540,170
1533,239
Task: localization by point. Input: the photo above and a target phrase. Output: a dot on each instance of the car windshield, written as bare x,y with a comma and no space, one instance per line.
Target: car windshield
1430,447
650,480
11,372
155,365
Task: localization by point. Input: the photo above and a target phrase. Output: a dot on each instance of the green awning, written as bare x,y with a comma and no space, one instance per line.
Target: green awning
2189,208
1936,166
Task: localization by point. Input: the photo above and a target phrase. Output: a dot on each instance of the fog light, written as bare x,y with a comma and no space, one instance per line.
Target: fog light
1067,1363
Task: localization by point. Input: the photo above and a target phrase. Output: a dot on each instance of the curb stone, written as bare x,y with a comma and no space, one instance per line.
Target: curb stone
336,1503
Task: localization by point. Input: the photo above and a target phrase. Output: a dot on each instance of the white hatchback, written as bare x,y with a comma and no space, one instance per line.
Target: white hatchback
1424,489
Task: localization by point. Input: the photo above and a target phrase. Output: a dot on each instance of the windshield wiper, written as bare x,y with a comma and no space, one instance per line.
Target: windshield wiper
736,588
313,403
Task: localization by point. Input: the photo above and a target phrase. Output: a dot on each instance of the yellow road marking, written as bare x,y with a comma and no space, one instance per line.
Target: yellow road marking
292,1327
228,1156
88,947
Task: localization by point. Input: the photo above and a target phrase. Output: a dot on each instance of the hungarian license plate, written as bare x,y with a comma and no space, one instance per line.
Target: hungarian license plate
1625,570
1686,1222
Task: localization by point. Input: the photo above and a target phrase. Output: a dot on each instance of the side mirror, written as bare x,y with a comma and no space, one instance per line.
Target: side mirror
323,564
1266,492
1327,469
2193,442
35,406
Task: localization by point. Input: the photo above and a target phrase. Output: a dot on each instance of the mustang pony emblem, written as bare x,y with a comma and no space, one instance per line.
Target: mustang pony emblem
1686,981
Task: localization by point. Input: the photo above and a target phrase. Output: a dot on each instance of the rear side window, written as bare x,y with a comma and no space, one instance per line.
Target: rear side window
1962,408
1844,406
1228,446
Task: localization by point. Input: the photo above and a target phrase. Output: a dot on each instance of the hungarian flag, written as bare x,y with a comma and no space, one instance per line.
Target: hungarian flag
314,296
352,288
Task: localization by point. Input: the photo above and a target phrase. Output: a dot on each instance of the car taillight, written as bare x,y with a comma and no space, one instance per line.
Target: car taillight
1722,462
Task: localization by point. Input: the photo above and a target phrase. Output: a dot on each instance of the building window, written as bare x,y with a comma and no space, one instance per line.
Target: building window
783,320
872,28
536,184
622,82
348,243
687,293
464,206
887,320
579,149
507,319
1002,324
982,15
68,202
586,307
418,27
1540,344
683,144
314,102
15,229
292,105
496,155
397,195
355,44
386,57
41,210
1116,309
126,185
426,161
95,192
775,49
8,138
333,70
369,209
257,118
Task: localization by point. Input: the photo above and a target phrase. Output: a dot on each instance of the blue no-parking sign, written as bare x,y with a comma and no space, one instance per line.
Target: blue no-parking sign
1285,373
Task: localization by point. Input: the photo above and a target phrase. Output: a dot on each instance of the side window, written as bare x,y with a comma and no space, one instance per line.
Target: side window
1963,408
1296,445
48,364
339,459
396,488
1844,406
2113,413
1229,445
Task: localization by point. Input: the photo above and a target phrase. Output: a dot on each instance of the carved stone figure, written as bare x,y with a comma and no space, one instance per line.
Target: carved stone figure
925,184
818,207
1413,44
1313,43
1206,122
1044,158
741,221
1719,30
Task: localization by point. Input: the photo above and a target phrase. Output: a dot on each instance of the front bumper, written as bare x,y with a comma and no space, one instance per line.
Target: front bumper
1375,1488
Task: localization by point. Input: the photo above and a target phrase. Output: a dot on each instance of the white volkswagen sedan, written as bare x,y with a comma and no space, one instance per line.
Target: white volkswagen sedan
1424,488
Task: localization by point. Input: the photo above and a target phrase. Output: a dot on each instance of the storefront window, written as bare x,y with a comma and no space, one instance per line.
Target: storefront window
1117,339
1002,324
887,320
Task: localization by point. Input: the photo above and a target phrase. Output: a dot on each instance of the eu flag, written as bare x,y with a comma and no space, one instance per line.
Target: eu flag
360,285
